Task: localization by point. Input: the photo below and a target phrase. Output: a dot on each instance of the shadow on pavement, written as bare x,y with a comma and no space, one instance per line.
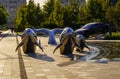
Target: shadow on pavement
41,57
7,35
74,58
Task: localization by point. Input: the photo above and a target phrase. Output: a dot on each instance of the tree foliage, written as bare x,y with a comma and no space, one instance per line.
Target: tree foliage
100,11
83,18
54,14
28,16
71,11
20,21
94,11
38,17
3,15
58,14
48,7
112,15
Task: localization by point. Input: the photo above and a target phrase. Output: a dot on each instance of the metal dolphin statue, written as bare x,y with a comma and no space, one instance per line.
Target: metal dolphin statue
67,42
50,33
29,41
81,41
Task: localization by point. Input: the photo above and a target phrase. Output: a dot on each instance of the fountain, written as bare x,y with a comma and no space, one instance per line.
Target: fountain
107,49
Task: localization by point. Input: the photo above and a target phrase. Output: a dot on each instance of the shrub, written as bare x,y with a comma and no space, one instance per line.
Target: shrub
48,25
115,36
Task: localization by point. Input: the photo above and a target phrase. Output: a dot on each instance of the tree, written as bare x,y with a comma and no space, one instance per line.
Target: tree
20,21
48,8
112,14
83,18
67,19
3,15
117,15
58,14
71,11
94,10
30,16
38,17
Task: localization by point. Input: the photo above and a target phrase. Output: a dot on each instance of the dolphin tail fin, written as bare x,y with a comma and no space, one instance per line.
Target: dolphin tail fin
19,45
58,46
57,31
76,44
39,42
39,45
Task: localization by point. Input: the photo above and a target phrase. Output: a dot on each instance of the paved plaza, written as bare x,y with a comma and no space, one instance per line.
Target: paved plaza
46,65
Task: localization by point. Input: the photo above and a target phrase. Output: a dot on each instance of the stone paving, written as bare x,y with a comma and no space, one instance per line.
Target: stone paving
17,65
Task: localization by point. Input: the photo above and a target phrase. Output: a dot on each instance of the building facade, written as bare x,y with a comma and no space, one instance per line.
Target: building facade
67,2
12,6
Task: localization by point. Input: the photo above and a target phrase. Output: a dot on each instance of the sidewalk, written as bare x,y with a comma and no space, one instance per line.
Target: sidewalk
14,65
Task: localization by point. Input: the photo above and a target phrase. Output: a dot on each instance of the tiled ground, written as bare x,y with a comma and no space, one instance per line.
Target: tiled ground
14,65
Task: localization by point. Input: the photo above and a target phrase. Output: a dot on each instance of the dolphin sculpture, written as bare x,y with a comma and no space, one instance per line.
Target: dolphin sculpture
50,33
67,42
94,28
29,41
81,41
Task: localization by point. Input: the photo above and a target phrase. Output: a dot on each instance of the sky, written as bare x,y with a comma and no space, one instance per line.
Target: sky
41,2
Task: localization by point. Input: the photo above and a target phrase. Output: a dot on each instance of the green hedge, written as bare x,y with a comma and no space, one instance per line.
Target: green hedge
115,36
48,25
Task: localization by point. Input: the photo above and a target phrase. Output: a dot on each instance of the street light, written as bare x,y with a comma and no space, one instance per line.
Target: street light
110,28
111,4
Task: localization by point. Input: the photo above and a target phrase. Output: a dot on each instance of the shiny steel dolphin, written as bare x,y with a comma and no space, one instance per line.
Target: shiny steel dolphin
67,42
29,41
50,33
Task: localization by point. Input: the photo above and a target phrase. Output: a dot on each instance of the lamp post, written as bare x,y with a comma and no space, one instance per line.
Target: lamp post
111,4
110,28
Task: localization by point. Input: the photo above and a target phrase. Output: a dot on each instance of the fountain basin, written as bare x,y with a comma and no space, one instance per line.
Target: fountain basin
108,48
